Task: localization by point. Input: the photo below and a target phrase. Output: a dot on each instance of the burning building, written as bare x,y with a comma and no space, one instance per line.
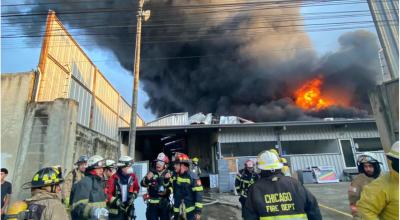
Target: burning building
229,58
223,145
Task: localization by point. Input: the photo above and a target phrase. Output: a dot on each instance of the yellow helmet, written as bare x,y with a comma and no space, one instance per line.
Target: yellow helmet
394,151
195,159
16,210
274,152
283,160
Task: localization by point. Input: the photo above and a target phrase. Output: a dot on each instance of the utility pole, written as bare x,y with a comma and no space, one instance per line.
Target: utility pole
141,15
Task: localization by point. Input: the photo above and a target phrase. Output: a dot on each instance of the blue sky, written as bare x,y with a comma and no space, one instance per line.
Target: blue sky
23,59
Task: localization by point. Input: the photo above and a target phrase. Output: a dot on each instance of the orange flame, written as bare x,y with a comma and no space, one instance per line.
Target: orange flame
309,96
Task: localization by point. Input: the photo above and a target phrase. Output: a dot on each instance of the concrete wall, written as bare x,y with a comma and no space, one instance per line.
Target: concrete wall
385,105
47,139
16,92
90,142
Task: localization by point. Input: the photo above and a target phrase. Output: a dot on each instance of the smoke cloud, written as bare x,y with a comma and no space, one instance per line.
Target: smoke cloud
240,61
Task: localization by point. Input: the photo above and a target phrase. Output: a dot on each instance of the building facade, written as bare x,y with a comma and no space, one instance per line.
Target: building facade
223,148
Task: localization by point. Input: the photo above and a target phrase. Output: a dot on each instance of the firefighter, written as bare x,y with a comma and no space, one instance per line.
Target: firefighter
45,202
195,168
109,169
188,191
73,177
244,179
88,196
276,196
159,188
285,168
369,169
122,190
380,198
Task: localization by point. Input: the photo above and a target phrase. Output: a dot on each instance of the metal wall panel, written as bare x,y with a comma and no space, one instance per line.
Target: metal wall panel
106,92
225,177
84,98
235,135
124,110
122,123
105,120
171,120
363,130
69,55
54,84
62,57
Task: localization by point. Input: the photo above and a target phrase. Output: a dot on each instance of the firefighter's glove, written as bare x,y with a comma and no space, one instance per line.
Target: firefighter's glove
99,213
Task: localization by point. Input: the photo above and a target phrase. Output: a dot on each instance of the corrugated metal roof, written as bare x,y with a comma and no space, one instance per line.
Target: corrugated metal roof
260,124
174,119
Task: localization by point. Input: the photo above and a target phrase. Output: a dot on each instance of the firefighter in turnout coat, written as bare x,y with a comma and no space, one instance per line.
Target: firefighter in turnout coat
244,179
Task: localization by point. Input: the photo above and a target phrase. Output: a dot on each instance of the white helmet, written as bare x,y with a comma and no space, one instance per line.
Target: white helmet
267,160
95,161
394,151
367,157
110,163
125,161
162,157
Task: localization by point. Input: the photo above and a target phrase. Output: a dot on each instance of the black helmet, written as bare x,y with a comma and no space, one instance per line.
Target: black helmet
47,176
82,159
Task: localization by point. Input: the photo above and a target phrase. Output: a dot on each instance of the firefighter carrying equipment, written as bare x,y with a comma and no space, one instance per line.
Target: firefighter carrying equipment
267,160
188,191
122,190
280,197
159,189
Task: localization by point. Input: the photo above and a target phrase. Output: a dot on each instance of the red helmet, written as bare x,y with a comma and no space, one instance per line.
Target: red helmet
182,158
162,157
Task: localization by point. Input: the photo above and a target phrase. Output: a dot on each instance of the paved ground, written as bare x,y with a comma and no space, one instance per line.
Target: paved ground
331,197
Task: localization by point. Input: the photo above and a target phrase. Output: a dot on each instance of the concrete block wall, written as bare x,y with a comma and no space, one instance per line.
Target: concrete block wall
47,139
16,93
90,142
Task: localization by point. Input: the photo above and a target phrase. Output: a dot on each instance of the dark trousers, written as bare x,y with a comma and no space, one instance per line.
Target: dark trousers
122,215
159,211
242,201
190,216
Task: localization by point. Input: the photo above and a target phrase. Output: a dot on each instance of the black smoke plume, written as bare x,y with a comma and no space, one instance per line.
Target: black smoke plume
244,60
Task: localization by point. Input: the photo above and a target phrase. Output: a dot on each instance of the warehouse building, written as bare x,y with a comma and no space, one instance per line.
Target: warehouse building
223,148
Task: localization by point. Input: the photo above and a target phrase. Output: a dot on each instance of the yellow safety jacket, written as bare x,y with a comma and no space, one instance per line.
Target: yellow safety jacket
380,198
